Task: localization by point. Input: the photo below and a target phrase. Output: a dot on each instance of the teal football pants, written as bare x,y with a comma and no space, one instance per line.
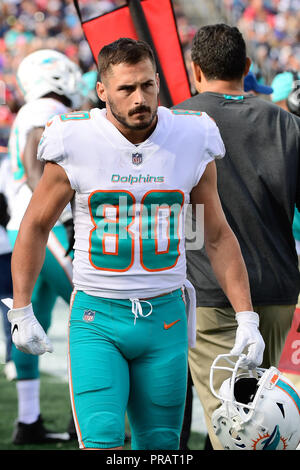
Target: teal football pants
120,363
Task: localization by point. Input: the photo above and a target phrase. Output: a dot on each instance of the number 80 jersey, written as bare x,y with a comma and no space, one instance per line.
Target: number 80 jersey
130,200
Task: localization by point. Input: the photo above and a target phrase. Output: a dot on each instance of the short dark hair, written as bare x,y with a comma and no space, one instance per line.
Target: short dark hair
220,52
124,50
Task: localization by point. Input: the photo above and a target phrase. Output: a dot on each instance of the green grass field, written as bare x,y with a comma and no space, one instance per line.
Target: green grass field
56,412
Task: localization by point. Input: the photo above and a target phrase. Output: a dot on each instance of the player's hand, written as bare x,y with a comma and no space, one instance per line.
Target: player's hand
248,335
27,334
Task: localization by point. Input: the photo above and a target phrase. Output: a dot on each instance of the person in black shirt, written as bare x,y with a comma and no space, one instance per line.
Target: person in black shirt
258,184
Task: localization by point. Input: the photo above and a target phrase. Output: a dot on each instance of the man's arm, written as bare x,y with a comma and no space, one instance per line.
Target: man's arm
33,166
227,262
51,195
221,244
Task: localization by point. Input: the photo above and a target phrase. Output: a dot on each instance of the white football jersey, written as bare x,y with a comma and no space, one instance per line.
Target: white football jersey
33,114
128,207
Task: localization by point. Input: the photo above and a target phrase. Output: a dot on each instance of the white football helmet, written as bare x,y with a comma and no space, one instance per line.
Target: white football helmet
260,408
46,71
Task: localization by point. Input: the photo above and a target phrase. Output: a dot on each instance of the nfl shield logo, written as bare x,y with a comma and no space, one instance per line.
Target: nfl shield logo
89,315
137,158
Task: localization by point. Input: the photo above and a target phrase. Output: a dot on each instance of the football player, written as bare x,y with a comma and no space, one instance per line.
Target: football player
129,171
50,83
5,256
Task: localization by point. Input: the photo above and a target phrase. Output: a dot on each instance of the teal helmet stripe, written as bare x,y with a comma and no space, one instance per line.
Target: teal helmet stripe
290,391
272,442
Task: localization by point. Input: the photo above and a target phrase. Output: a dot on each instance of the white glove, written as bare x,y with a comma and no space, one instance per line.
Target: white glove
248,334
27,334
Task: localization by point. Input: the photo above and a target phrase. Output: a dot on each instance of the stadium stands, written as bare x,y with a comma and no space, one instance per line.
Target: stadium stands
271,28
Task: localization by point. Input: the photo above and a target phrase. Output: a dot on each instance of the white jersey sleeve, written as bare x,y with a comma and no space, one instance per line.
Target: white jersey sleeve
41,111
201,136
213,148
51,147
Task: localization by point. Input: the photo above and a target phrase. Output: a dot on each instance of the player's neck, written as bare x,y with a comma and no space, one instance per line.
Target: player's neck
222,86
135,136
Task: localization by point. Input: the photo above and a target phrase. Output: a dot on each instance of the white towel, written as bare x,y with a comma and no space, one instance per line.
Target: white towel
191,313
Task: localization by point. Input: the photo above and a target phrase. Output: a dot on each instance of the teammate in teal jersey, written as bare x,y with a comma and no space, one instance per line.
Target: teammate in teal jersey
128,328
49,82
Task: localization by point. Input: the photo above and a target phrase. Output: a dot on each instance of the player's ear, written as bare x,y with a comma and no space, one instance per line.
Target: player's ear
100,88
197,73
247,66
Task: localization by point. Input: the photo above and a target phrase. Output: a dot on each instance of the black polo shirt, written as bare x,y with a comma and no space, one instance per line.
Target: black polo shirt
258,184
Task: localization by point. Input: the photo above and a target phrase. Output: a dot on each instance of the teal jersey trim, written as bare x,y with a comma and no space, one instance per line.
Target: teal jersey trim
234,97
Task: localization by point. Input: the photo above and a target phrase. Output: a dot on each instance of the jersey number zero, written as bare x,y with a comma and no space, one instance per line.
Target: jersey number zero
118,223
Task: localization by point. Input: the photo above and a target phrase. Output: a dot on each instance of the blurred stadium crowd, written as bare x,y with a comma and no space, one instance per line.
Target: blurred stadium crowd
271,28
28,25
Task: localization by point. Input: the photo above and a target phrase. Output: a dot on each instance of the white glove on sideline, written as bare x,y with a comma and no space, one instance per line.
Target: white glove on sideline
248,334
27,334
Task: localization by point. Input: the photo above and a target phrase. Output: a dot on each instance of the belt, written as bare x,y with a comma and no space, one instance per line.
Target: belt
160,295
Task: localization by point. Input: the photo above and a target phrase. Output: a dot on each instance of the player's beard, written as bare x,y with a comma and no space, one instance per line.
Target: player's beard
122,119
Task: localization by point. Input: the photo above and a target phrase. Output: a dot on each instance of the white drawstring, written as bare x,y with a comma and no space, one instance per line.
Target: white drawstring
137,308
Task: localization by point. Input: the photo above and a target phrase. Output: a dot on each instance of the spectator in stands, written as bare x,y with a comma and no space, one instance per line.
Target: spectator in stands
41,24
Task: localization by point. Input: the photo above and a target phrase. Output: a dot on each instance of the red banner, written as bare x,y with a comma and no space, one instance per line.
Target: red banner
162,26
290,358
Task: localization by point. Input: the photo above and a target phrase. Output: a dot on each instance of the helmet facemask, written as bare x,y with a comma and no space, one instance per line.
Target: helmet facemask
260,408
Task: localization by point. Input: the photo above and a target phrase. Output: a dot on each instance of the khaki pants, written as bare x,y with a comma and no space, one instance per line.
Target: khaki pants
216,330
